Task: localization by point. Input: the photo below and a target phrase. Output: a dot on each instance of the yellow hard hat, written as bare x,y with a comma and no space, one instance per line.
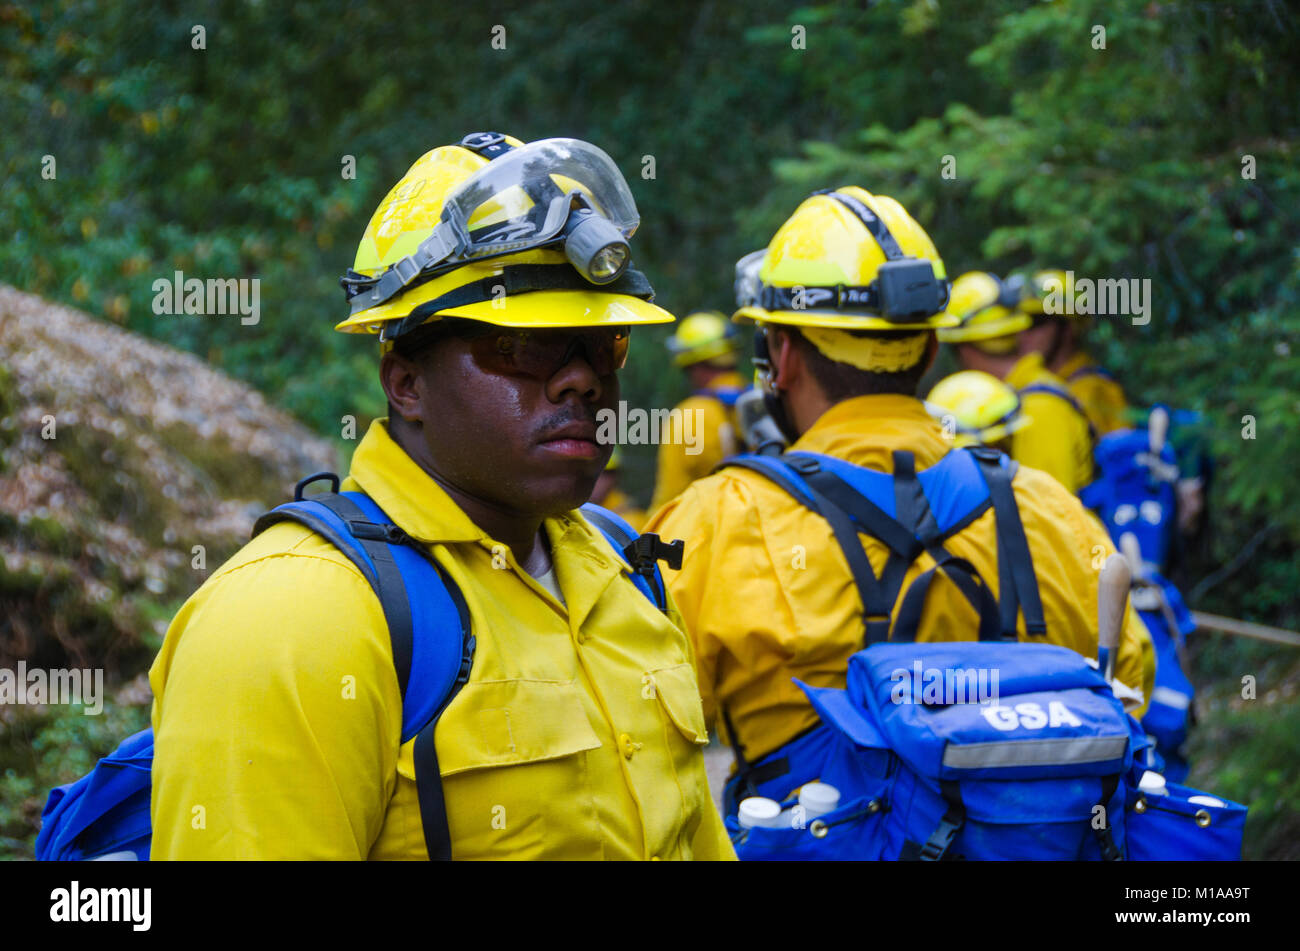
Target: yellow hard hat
851,260
512,234
1040,285
985,309
981,407
701,336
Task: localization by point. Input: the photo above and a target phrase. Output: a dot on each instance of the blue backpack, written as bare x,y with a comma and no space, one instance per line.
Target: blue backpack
1170,715
1134,494
105,814
927,769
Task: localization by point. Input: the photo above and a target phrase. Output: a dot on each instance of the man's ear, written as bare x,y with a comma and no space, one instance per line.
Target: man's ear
931,351
787,362
401,380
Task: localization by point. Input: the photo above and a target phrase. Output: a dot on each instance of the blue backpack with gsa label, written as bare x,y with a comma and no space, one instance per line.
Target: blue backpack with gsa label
105,814
991,749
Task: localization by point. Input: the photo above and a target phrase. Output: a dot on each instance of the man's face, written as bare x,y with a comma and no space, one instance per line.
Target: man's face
509,417
1043,337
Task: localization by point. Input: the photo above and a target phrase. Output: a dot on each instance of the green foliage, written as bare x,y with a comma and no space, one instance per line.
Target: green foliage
45,747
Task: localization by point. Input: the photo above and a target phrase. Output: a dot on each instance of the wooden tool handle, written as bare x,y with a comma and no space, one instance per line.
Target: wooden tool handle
1112,602
1157,430
1128,544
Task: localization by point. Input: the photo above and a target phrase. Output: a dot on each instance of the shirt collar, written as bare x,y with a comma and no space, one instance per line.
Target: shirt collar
413,500
726,381
866,430
1026,370
407,494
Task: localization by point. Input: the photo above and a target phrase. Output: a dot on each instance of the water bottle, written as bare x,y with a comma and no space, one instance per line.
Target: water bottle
818,799
759,812
1153,784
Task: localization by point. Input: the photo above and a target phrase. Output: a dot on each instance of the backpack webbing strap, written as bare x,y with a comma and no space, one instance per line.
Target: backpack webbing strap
961,573
749,776
1105,841
640,555
1066,395
1017,582
1091,370
877,603
385,578
428,774
942,838
914,510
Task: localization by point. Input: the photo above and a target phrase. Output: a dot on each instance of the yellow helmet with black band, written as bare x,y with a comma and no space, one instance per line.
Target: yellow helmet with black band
492,229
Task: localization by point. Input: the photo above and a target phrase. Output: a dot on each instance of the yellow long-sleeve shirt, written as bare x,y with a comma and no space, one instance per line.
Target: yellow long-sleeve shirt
681,464
278,714
1099,393
767,596
1056,440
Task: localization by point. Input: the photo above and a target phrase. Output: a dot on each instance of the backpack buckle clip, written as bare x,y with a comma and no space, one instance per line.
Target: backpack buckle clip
644,550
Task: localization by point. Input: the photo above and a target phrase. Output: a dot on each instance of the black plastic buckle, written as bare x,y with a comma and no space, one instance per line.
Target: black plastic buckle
487,144
644,550
938,843
302,484
387,532
804,465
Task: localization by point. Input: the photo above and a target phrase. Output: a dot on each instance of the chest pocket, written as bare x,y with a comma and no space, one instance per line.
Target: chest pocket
679,694
515,773
513,722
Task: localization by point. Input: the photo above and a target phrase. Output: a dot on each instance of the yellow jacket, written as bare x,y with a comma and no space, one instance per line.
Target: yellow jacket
277,712
1099,393
717,435
767,596
1056,440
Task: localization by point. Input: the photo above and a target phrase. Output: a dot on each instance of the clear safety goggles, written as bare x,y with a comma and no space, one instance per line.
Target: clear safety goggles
563,192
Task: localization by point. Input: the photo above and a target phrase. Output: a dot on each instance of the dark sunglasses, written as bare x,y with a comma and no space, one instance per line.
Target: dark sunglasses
540,354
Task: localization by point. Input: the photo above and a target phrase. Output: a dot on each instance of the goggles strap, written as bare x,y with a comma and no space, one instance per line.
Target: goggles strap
874,225
437,247
517,279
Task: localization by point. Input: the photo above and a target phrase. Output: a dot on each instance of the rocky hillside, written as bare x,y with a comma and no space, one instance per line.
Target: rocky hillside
128,472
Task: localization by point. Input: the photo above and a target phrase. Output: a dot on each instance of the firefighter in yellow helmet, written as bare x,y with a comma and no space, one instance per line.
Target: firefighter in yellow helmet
986,337
496,275
705,347
977,409
773,590
1060,340
609,494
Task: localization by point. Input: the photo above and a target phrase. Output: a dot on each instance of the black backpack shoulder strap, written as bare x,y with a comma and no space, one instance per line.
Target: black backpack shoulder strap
1062,393
914,509
358,529
1017,582
877,596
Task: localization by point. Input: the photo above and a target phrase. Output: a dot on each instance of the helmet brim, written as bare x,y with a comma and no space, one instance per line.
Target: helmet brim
991,330
536,309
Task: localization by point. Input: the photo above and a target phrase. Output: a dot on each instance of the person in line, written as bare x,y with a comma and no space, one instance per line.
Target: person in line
579,733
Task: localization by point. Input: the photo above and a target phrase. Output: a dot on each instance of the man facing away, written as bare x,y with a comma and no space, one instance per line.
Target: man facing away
853,291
